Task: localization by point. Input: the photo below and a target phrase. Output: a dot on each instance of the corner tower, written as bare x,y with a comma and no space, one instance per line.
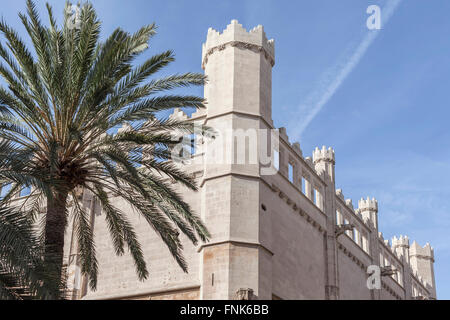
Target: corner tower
422,261
238,64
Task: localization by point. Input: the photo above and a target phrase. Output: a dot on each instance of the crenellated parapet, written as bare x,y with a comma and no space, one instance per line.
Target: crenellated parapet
368,205
323,154
179,115
235,35
324,161
297,149
368,208
349,204
426,252
340,194
401,242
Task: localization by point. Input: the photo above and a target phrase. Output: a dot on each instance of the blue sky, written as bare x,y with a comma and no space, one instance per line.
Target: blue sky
387,119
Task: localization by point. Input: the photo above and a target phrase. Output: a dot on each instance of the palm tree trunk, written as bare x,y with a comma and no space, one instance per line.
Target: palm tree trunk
55,225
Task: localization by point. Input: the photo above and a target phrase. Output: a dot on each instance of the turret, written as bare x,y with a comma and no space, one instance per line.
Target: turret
239,64
324,161
422,261
401,247
369,210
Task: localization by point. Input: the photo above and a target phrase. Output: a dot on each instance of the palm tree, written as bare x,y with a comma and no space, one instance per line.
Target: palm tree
22,271
57,113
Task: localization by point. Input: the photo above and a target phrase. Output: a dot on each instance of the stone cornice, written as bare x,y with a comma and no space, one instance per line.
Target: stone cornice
241,45
296,208
353,257
235,242
418,256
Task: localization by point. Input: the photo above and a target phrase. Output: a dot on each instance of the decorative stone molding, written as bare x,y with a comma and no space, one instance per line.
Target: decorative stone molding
367,205
241,45
323,154
244,294
349,254
296,208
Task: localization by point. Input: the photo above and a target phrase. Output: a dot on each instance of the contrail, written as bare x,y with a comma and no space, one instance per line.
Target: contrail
329,84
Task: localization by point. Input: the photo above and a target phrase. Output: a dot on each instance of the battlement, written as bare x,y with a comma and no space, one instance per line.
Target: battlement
178,114
236,35
418,251
323,154
367,205
402,241
340,194
349,204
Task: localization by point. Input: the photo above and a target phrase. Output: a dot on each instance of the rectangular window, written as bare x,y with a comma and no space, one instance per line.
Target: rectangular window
276,160
319,200
356,236
338,218
395,275
348,232
291,173
303,185
365,244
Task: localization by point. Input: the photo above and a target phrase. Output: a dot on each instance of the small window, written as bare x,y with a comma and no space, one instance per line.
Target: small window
365,244
318,199
395,275
400,278
338,217
348,232
303,185
276,160
291,173
355,235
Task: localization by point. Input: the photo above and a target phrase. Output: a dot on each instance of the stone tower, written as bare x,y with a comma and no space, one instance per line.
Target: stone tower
238,65
369,210
239,69
422,262
324,161
401,247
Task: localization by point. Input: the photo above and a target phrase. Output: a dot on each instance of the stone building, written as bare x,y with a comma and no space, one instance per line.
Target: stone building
289,234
